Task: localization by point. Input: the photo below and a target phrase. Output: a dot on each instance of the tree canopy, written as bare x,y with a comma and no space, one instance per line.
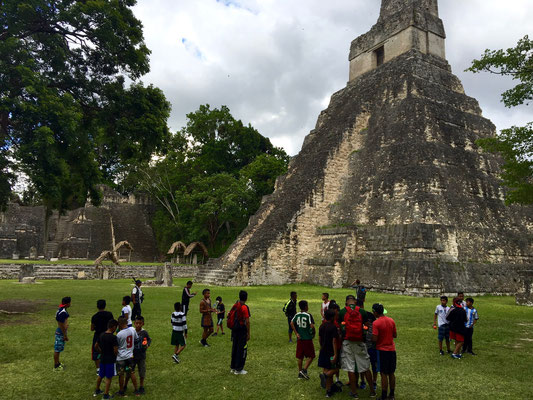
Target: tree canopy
211,179
67,118
515,144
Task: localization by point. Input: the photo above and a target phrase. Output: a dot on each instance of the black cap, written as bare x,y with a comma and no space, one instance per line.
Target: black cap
350,297
378,308
138,282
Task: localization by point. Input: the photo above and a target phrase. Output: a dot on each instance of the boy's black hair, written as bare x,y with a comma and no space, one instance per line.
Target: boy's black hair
177,306
66,300
470,299
293,294
126,299
243,295
139,318
112,324
444,298
326,294
357,281
329,315
350,297
189,282
458,293
302,304
334,306
218,298
122,321
100,304
205,291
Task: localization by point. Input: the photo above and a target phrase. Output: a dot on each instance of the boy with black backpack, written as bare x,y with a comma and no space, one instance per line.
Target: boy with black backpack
239,323
290,311
354,356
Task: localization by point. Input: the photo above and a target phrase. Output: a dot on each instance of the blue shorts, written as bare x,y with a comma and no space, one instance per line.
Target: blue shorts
59,343
107,371
444,332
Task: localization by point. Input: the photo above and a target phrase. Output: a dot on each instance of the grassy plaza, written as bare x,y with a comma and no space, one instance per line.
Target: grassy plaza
503,340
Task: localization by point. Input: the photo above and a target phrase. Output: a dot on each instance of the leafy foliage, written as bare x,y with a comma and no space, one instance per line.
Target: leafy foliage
516,143
67,119
211,179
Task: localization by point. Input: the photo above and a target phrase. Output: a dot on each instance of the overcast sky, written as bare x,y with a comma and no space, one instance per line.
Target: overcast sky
276,63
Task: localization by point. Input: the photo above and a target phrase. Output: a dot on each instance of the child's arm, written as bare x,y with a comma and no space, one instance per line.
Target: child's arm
97,347
294,329
63,326
334,350
435,320
115,350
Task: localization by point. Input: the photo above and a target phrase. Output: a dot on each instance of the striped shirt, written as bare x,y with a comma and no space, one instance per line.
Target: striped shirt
179,321
471,315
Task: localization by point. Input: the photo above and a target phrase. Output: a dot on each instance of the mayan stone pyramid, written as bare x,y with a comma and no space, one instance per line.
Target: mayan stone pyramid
390,187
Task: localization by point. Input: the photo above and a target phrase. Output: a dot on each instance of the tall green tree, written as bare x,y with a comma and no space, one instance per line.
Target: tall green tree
211,179
515,144
67,119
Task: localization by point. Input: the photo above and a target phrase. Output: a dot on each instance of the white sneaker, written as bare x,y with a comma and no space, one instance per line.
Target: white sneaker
241,372
232,371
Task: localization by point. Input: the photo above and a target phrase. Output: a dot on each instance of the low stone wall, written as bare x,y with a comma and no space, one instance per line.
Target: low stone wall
40,271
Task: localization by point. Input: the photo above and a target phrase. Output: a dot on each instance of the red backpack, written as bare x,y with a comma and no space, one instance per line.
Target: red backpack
353,324
235,316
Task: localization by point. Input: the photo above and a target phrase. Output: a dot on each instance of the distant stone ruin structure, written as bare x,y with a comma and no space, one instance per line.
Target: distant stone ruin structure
82,233
390,187
176,252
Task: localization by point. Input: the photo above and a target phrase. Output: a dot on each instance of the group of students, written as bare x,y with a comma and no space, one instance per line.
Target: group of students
456,323
119,346
352,339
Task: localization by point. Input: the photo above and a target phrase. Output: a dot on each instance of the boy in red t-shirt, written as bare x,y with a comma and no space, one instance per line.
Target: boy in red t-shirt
240,335
383,334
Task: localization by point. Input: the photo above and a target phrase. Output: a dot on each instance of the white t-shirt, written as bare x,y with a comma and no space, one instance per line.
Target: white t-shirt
442,312
324,308
138,290
127,310
126,341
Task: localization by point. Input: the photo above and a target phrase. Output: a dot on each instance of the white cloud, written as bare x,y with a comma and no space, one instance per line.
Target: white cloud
275,63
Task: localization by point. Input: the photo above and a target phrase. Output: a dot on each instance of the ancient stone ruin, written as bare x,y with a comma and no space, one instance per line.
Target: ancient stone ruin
82,233
390,187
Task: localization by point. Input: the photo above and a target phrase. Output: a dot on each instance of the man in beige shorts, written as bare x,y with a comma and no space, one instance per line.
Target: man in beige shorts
354,356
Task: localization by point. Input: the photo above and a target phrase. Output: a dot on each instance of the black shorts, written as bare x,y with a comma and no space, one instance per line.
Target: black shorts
125,366
386,362
324,360
95,355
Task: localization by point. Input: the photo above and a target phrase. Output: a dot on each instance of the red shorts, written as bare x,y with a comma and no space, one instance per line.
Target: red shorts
456,336
305,348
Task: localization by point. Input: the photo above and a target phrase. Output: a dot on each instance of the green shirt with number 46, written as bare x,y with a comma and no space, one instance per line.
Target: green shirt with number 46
303,321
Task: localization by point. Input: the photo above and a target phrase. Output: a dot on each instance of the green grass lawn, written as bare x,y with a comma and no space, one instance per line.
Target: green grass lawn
503,340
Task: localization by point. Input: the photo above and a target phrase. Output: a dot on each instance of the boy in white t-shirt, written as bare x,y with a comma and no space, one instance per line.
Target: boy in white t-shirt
126,340
443,328
325,304
126,310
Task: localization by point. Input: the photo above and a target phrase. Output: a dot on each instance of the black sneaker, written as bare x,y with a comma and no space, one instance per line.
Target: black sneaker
141,390
441,353
329,394
353,395
322,380
97,392
301,375
137,393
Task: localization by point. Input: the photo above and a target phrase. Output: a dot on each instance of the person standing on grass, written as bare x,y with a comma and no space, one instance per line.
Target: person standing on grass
372,352
457,319
471,317
337,387
324,305
328,358
179,331
207,320
221,310
61,332
443,327
360,293
141,344
136,299
107,346
354,356
126,310
99,325
383,334
304,326
186,297
125,365
290,311
239,320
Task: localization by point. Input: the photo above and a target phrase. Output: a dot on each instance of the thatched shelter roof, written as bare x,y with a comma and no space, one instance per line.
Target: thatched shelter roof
177,246
196,246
